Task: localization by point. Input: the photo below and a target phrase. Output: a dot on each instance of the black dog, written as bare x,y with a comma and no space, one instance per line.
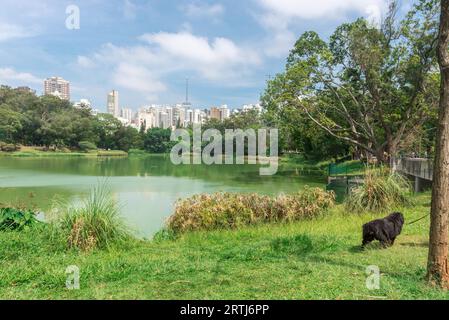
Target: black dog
384,230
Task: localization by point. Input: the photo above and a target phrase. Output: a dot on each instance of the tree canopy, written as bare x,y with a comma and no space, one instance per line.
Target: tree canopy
368,87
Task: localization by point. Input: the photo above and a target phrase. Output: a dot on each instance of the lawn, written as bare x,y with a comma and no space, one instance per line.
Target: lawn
35,152
317,259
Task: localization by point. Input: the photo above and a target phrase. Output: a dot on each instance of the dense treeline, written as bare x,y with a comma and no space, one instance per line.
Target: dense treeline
50,122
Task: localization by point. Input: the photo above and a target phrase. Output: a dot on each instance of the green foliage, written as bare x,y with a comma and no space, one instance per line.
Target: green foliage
366,90
95,224
230,211
17,219
157,140
136,152
54,123
165,235
87,146
310,259
380,192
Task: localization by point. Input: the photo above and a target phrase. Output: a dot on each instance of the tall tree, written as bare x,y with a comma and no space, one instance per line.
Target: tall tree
369,86
437,269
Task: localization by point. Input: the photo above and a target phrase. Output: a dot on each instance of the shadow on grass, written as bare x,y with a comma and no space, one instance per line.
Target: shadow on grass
416,244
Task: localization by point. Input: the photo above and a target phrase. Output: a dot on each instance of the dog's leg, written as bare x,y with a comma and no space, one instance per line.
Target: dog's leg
366,240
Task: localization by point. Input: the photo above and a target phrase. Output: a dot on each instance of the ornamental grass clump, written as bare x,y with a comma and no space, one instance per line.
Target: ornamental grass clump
231,210
380,192
95,224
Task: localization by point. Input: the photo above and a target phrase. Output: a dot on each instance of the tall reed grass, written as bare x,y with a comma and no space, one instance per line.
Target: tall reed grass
381,191
95,224
231,211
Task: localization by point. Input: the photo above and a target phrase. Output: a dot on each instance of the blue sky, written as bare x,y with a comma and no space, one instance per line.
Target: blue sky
146,48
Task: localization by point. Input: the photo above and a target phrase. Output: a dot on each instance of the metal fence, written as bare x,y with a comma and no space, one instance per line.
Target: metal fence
417,167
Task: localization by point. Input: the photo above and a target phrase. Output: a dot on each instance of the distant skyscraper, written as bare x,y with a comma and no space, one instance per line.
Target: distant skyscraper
58,87
113,106
224,112
127,114
215,113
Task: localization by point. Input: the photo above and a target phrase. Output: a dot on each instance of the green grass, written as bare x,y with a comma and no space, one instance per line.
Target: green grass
316,259
95,224
35,153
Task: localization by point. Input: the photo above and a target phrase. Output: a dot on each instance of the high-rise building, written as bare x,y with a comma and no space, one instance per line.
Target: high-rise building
179,114
58,87
215,113
127,114
113,105
224,112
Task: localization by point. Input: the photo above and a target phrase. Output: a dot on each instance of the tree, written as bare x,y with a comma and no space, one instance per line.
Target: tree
368,87
127,138
10,124
297,131
157,140
437,267
106,126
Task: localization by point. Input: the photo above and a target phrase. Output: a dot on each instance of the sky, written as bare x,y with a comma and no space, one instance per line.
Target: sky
146,49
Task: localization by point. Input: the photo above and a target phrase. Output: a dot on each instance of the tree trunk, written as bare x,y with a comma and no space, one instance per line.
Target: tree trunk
437,267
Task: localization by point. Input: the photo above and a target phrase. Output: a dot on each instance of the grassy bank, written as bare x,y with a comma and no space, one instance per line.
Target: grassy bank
315,259
33,152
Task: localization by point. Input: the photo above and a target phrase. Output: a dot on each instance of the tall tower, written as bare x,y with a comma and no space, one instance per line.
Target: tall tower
187,104
113,105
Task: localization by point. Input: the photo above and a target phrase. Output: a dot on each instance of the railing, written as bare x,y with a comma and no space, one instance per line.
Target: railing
417,167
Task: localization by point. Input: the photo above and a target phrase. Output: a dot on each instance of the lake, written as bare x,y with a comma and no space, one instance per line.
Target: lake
146,188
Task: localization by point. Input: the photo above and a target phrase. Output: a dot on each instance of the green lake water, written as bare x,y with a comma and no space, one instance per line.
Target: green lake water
146,188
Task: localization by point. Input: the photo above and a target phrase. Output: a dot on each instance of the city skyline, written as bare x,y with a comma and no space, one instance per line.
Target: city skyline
146,49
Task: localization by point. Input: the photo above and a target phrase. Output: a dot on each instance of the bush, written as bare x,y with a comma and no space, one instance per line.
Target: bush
95,224
9,147
230,211
15,219
137,152
380,192
86,146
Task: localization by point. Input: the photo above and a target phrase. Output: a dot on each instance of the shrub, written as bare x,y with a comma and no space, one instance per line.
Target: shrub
230,211
381,191
9,147
94,224
86,146
137,152
15,219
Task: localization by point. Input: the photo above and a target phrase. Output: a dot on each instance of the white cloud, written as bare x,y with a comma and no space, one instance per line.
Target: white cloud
143,67
13,77
137,78
85,62
129,10
278,17
219,59
12,31
317,9
203,10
